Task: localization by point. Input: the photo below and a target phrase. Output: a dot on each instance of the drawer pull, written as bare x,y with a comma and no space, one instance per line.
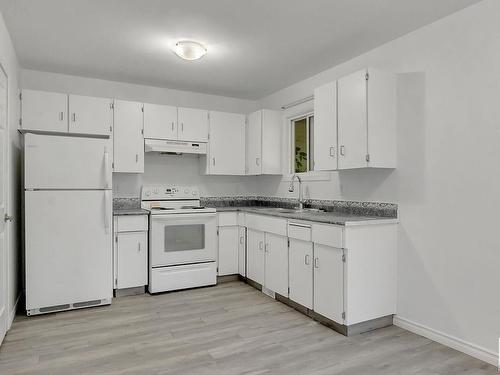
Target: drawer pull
306,260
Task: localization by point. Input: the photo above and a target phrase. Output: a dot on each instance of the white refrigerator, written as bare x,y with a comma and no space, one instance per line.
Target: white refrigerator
68,216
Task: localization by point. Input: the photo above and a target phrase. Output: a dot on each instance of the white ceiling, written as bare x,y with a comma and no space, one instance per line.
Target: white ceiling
255,47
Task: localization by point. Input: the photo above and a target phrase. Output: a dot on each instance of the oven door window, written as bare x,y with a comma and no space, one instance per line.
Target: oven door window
184,237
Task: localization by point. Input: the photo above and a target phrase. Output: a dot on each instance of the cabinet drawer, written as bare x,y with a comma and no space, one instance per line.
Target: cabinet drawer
227,219
266,224
131,223
328,235
299,231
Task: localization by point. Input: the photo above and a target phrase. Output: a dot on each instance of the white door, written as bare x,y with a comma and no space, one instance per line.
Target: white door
301,272
254,143
228,250
132,259
68,247
4,294
325,127
182,239
242,258
227,143
44,111
328,282
90,115
193,124
128,137
62,162
160,121
276,269
352,121
255,256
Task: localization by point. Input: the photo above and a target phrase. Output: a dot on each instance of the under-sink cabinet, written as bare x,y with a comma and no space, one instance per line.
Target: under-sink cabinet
130,251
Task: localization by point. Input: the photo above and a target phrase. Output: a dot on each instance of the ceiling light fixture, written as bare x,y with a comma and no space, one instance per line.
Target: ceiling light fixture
189,50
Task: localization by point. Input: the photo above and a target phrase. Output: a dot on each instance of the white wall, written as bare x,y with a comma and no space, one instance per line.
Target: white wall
158,169
448,180
9,62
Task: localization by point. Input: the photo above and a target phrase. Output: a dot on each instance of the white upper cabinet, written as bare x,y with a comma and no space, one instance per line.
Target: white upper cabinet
367,120
128,137
192,124
90,115
44,111
264,142
226,143
325,127
160,121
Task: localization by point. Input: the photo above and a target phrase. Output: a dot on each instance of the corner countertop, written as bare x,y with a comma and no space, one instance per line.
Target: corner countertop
335,218
129,211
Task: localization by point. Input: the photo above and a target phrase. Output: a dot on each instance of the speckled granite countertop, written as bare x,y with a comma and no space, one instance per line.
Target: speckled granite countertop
129,211
332,212
128,206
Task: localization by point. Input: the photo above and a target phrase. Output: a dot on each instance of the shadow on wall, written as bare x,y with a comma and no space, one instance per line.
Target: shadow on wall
405,184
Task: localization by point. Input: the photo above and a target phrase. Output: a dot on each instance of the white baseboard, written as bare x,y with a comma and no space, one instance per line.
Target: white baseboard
12,313
448,340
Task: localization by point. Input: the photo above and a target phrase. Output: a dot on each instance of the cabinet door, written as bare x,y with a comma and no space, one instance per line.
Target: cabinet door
128,137
276,268
242,254
44,111
90,115
193,124
328,282
227,143
352,121
228,251
132,259
325,127
254,143
301,272
272,122
255,256
160,121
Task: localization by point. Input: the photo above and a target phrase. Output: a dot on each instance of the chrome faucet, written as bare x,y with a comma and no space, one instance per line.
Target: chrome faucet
291,190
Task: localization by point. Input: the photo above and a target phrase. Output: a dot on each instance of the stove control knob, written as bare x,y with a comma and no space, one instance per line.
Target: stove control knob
186,191
194,193
147,193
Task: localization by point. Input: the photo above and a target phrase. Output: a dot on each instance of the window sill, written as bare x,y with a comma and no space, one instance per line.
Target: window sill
310,176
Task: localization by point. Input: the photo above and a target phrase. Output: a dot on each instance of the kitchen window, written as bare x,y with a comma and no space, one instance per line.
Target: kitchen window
302,133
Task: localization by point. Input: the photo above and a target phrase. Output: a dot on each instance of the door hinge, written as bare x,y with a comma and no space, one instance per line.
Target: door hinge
367,76
343,258
367,158
288,241
20,96
343,315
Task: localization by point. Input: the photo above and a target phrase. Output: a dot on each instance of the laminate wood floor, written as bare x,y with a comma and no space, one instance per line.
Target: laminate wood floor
228,329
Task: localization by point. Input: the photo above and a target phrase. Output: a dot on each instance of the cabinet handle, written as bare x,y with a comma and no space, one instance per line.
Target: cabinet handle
316,262
260,245
306,260
182,127
213,160
61,116
266,248
74,117
241,240
342,150
332,152
136,158
172,126
139,246
257,161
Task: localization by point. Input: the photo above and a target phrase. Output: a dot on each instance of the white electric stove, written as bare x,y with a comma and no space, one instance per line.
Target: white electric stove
182,238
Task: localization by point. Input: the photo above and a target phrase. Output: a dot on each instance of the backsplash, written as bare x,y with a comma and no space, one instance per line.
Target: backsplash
345,207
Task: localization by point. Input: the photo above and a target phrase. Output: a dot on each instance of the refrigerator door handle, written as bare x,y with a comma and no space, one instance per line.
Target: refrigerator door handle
107,214
106,169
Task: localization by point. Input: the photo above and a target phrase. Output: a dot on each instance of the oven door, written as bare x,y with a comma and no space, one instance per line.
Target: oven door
182,239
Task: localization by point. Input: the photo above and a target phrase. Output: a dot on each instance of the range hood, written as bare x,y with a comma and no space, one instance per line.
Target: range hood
174,147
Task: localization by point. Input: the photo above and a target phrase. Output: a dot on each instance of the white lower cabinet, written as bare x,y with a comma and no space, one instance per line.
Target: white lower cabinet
328,282
130,251
276,263
228,250
255,255
301,272
242,252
